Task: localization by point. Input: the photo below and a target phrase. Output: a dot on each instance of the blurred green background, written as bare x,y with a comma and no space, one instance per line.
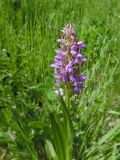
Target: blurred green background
28,33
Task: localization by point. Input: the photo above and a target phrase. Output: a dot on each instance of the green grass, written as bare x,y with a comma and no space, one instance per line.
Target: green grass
28,33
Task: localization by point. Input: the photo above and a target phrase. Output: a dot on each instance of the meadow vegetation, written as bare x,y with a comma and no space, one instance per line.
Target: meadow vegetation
28,33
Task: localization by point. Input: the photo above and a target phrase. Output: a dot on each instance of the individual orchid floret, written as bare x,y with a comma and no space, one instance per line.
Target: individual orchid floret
69,60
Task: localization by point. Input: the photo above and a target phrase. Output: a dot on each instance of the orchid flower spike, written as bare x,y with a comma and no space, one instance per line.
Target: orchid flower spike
69,60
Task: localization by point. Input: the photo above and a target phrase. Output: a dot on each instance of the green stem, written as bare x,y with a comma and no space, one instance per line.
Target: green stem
67,96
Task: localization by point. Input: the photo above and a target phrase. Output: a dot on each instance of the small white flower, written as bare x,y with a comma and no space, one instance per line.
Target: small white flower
59,91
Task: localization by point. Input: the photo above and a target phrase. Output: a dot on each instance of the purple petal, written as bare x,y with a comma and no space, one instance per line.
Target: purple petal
72,78
61,40
54,65
74,52
82,77
57,82
60,57
60,52
77,89
81,44
74,47
69,67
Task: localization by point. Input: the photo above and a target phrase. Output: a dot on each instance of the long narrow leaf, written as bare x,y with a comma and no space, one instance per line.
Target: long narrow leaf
68,129
51,154
66,114
58,137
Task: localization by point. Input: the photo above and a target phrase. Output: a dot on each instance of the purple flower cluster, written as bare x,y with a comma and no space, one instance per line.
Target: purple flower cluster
69,60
